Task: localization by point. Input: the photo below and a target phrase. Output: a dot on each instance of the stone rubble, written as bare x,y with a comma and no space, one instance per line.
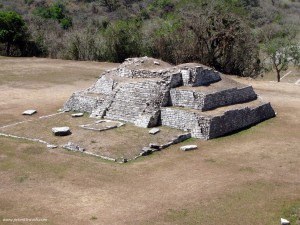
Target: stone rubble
73,147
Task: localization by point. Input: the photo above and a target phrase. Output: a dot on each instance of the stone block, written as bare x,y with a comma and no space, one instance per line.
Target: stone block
29,112
188,147
154,131
61,131
284,221
77,115
51,146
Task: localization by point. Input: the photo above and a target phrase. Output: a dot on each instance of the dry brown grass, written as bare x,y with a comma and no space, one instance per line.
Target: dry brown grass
251,177
111,143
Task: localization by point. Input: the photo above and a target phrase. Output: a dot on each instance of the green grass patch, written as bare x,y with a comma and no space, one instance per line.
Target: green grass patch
93,218
246,205
22,178
291,212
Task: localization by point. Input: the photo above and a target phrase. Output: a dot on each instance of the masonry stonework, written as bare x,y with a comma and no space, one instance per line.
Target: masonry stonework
190,97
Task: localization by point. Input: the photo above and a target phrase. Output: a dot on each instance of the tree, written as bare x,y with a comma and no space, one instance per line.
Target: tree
280,47
282,52
123,40
13,30
56,11
110,5
222,39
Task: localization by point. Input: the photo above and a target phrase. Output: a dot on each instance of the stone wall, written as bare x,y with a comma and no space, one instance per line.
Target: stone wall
204,76
140,73
199,76
215,126
80,101
202,101
186,120
103,86
229,97
239,118
175,80
187,98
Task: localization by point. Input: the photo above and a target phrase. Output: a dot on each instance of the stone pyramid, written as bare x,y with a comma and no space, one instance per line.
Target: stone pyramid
191,97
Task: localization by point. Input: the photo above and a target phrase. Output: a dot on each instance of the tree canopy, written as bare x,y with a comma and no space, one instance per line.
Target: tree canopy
228,35
13,30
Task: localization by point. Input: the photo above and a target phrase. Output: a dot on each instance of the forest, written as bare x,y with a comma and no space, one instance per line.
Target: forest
232,36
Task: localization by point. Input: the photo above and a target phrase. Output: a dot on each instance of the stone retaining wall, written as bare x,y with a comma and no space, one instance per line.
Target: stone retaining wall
229,97
187,98
103,86
80,101
202,101
215,126
199,76
237,119
185,120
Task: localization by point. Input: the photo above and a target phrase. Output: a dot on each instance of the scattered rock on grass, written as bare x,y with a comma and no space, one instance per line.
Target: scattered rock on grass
188,147
154,131
77,114
146,151
73,147
154,145
52,146
122,160
61,131
29,112
284,221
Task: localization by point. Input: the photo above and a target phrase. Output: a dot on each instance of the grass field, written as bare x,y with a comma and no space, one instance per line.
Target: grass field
250,177
111,143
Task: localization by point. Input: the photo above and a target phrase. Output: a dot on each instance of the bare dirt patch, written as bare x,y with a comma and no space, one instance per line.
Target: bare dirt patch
251,177
42,84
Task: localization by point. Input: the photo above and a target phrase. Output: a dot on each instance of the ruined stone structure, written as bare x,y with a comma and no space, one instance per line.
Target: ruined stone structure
191,97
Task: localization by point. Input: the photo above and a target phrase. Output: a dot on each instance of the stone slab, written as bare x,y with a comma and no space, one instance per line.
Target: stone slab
51,146
61,131
29,112
284,221
154,131
77,114
188,147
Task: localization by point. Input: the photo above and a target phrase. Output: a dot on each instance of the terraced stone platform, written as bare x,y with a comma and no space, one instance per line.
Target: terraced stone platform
190,97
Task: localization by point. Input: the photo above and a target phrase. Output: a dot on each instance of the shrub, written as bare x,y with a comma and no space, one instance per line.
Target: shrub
123,40
56,11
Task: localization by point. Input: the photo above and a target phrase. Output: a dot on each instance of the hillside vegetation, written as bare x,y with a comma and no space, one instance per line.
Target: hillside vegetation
225,34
